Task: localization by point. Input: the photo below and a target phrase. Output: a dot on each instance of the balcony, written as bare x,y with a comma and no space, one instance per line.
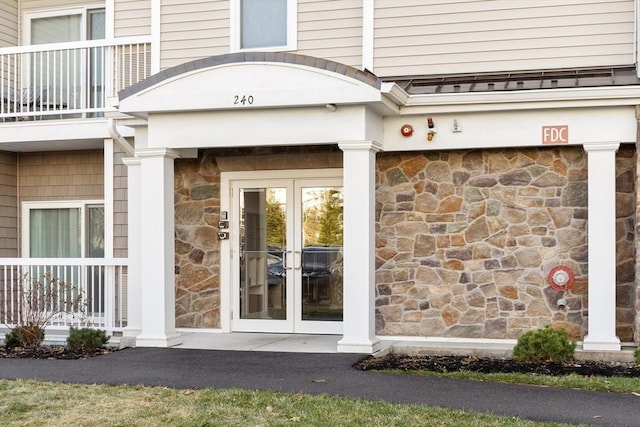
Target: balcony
78,292
69,80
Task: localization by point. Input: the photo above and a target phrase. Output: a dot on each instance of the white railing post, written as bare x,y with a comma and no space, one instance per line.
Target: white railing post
109,297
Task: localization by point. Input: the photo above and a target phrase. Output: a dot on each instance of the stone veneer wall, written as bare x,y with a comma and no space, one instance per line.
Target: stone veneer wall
197,210
465,240
626,288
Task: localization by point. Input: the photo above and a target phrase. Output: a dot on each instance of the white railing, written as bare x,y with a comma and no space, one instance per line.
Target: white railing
61,80
79,292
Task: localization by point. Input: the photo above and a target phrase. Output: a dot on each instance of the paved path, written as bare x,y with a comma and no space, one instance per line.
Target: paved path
300,372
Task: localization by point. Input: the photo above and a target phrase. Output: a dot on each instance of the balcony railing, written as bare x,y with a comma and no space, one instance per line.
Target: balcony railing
79,292
69,80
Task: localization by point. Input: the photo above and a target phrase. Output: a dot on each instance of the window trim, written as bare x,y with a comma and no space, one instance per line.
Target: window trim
292,29
69,204
83,11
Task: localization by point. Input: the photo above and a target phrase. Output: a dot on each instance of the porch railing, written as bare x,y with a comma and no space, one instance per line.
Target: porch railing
79,292
67,80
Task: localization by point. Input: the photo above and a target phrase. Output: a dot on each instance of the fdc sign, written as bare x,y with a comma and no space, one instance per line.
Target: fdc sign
555,134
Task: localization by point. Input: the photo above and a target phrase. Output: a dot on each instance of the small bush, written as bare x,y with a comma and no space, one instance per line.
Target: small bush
544,345
86,339
24,336
11,339
637,355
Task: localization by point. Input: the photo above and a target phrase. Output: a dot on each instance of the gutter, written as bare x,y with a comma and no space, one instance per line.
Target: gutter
119,139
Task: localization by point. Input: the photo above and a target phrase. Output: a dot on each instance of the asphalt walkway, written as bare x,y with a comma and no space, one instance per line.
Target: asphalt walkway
327,373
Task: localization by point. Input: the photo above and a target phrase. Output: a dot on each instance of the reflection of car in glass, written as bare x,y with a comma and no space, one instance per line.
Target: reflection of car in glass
319,263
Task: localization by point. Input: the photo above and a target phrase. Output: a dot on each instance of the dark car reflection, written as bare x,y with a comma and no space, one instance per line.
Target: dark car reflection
320,267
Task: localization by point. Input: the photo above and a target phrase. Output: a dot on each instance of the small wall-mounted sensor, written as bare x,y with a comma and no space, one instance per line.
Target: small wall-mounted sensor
562,303
456,127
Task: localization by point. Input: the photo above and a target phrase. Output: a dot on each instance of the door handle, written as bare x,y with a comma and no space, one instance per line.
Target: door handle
285,260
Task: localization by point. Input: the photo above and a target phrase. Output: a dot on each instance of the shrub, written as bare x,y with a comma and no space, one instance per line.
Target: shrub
545,345
24,336
637,355
86,339
38,301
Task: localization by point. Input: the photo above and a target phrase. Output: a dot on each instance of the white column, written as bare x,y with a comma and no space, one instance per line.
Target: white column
601,162
108,198
359,335
157,248
134,291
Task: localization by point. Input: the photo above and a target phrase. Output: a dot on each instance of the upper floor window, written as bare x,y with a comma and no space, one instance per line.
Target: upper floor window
65,26
263,24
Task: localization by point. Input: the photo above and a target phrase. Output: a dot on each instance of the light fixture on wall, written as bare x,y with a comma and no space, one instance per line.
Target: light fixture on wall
331,107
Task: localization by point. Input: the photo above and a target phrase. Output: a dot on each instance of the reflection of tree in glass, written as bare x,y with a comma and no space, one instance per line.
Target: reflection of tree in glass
331,229
276,231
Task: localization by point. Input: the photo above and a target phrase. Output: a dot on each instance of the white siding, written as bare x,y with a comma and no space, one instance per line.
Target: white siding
132,18
414,37
8,23
331,30
193,29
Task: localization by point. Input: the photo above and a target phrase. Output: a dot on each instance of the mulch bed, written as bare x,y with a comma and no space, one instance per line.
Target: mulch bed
443,364
53,352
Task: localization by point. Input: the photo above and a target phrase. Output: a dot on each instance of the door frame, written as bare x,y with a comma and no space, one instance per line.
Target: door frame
227,247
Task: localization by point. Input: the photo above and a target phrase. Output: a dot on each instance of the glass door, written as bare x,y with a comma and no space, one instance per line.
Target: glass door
289,255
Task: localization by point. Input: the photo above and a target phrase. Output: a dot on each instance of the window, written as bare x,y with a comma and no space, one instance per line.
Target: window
63,230
263,25
67,78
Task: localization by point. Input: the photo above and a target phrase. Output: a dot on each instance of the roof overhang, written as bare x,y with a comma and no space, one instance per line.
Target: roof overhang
254,81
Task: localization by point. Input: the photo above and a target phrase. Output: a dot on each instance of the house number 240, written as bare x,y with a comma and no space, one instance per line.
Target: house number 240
242,100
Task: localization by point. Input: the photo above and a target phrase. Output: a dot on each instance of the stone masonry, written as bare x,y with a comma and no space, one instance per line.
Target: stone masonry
197,211
466,239
197,258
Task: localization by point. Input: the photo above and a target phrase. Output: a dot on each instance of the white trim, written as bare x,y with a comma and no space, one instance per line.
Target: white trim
235,28
522,100
109,19
227,180
75,45
108,197
368,33
71,204
447,340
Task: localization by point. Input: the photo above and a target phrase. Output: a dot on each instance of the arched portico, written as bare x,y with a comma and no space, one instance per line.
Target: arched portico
252,100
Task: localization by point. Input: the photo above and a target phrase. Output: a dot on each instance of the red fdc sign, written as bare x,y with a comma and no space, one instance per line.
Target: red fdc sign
555,134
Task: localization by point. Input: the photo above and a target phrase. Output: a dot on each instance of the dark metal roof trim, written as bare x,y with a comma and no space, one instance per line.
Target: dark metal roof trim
521,80
280,57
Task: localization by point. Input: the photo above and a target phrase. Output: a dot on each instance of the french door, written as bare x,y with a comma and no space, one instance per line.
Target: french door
287,256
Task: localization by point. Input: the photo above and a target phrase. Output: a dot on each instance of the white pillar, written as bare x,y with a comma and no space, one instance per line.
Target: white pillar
108,197
134,291
157,248
601,162
359,247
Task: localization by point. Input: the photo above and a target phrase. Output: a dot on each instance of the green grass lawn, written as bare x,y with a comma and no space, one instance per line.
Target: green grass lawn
593,383
35,403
